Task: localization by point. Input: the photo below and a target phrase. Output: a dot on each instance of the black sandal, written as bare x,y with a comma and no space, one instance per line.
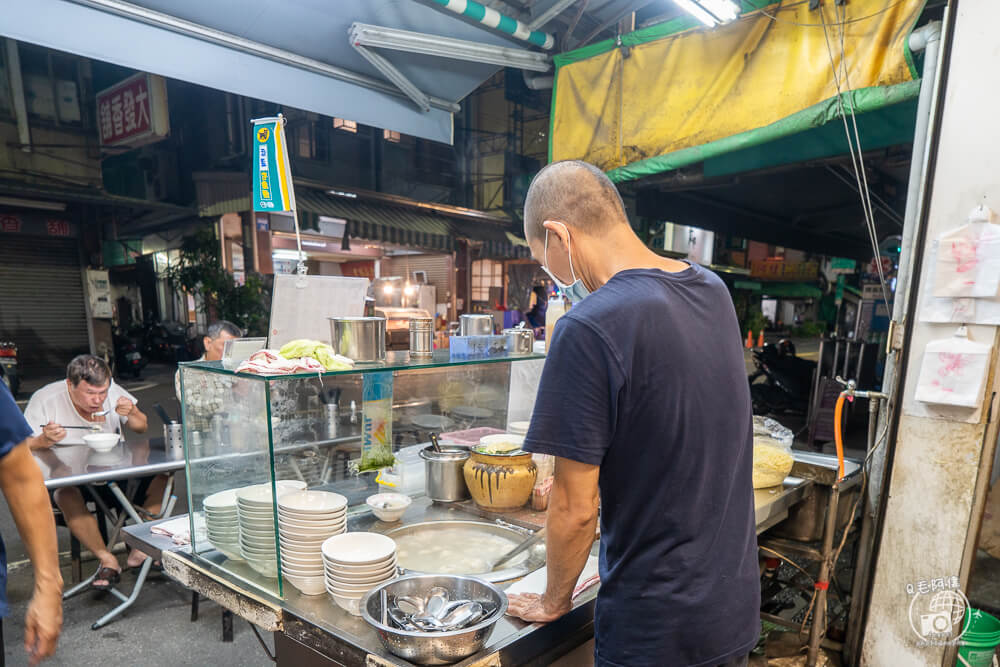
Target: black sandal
106,574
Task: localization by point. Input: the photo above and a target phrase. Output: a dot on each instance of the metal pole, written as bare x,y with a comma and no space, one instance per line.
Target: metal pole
818,628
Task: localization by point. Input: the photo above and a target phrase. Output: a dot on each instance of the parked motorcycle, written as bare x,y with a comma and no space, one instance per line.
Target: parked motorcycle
129,359
166,341
787,379
9,374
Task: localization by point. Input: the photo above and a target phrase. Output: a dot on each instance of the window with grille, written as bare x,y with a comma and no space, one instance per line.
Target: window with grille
486,273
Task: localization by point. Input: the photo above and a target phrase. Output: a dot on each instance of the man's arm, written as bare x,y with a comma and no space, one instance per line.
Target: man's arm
136,420
24,488
570,529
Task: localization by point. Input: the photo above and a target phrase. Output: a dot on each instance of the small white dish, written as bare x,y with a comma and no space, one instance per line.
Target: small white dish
389,507
359,548
370,568
222,500
102,442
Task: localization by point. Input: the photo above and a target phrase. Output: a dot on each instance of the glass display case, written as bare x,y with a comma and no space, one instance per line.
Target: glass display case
315,431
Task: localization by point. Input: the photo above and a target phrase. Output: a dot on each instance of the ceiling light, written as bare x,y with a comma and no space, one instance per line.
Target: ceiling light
33,203
380,37
710,12
387,289
314,244
341,193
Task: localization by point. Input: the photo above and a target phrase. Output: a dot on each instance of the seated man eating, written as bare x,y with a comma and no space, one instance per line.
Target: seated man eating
88,398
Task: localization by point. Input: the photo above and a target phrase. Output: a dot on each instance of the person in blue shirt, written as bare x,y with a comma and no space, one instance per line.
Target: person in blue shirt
644,403
24,488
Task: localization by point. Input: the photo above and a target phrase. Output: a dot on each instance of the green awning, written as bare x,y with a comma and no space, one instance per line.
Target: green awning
791,291
747,285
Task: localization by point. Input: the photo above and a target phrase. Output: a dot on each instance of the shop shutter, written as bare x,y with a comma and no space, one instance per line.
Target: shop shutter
437,267
41,302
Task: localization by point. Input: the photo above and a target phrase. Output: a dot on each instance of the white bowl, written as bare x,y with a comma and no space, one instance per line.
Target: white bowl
312,502
102,442
349,604
303,560
355,589
351,581
301,570
359,548
389,506
302,544
262,547
260,494
222,501
362,570
307,585
318,520
310,531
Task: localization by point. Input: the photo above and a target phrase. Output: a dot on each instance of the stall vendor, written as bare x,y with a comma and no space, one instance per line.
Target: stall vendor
644,402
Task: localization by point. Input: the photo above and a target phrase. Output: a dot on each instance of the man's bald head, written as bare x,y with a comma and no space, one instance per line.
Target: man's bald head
573,192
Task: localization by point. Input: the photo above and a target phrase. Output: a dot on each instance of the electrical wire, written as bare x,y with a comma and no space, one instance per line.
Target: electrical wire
818,25
857,159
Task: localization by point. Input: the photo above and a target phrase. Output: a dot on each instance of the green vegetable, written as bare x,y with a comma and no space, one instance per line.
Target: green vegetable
376,459
321,352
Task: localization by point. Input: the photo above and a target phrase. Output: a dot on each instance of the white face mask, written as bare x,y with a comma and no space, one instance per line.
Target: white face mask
575,291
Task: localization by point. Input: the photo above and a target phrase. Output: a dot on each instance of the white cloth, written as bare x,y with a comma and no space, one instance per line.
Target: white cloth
52,403
538,580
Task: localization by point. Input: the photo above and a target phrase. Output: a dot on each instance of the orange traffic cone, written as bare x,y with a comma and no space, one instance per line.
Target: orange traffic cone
749,339
760,339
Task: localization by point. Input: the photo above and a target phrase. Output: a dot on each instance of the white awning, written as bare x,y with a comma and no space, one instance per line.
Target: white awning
292,53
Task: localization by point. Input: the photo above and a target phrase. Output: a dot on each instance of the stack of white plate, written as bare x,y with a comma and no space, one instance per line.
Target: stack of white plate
305,520
258,542
355,563
223,523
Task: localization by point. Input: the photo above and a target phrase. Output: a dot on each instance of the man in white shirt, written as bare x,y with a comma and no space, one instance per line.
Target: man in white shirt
89,398
214,343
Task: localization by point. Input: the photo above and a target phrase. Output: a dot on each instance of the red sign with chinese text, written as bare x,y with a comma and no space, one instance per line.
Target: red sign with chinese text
57,228
10,224
127,112
781,270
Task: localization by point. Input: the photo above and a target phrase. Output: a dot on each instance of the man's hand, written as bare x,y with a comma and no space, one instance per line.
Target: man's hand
124,407
53,432
534,608
43,623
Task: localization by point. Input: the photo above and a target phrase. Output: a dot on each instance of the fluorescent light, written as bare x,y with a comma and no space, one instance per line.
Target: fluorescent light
409,290
387,289
281,253
380,37
710,12
33,203
341,193
314,244
725,10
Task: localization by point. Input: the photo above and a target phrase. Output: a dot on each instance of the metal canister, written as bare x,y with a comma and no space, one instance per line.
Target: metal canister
422,337
477,324
520,341
173,440
445,478
361,339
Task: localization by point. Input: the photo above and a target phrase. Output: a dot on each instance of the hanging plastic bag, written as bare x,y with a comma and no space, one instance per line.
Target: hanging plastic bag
968,258
772,452
376,409
953,371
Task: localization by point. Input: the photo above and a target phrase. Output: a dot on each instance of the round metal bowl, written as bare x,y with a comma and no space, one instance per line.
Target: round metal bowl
434,648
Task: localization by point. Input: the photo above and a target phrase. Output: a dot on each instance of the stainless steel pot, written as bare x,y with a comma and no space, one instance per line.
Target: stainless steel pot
359,338
478,324
444,475
422,337
520,341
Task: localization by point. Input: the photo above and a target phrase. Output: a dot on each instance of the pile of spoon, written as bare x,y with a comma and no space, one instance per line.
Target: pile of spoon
435,613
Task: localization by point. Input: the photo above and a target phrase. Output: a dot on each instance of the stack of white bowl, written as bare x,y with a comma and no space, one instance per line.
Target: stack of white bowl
222,522
306,519
258,542
355,563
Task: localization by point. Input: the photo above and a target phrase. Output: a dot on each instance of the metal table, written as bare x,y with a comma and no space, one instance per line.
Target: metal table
78,465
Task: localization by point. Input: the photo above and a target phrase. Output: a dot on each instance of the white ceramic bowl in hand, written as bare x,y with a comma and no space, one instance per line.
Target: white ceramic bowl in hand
101,442
389,506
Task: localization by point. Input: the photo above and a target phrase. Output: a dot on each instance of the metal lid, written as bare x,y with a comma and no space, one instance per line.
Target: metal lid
448,453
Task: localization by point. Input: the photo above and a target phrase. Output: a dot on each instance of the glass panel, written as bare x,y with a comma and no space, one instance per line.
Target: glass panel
243,430
227,447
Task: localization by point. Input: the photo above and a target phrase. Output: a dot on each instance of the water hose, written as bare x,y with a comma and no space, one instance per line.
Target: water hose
838,433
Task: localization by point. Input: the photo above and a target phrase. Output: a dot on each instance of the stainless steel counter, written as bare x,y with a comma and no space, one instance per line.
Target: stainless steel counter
316,622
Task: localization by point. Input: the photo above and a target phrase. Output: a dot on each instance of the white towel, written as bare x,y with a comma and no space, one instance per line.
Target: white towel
179,529
537,580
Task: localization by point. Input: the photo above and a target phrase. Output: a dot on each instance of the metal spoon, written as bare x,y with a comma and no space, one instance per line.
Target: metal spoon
523,546
434,442
99,414
408,605
463,615
427,623
437,598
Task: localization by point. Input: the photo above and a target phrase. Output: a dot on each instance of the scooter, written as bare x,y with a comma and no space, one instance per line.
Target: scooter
8,366
129,359
787,380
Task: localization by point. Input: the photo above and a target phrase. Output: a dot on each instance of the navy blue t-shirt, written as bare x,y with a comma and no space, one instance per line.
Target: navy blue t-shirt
645,378
13,431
